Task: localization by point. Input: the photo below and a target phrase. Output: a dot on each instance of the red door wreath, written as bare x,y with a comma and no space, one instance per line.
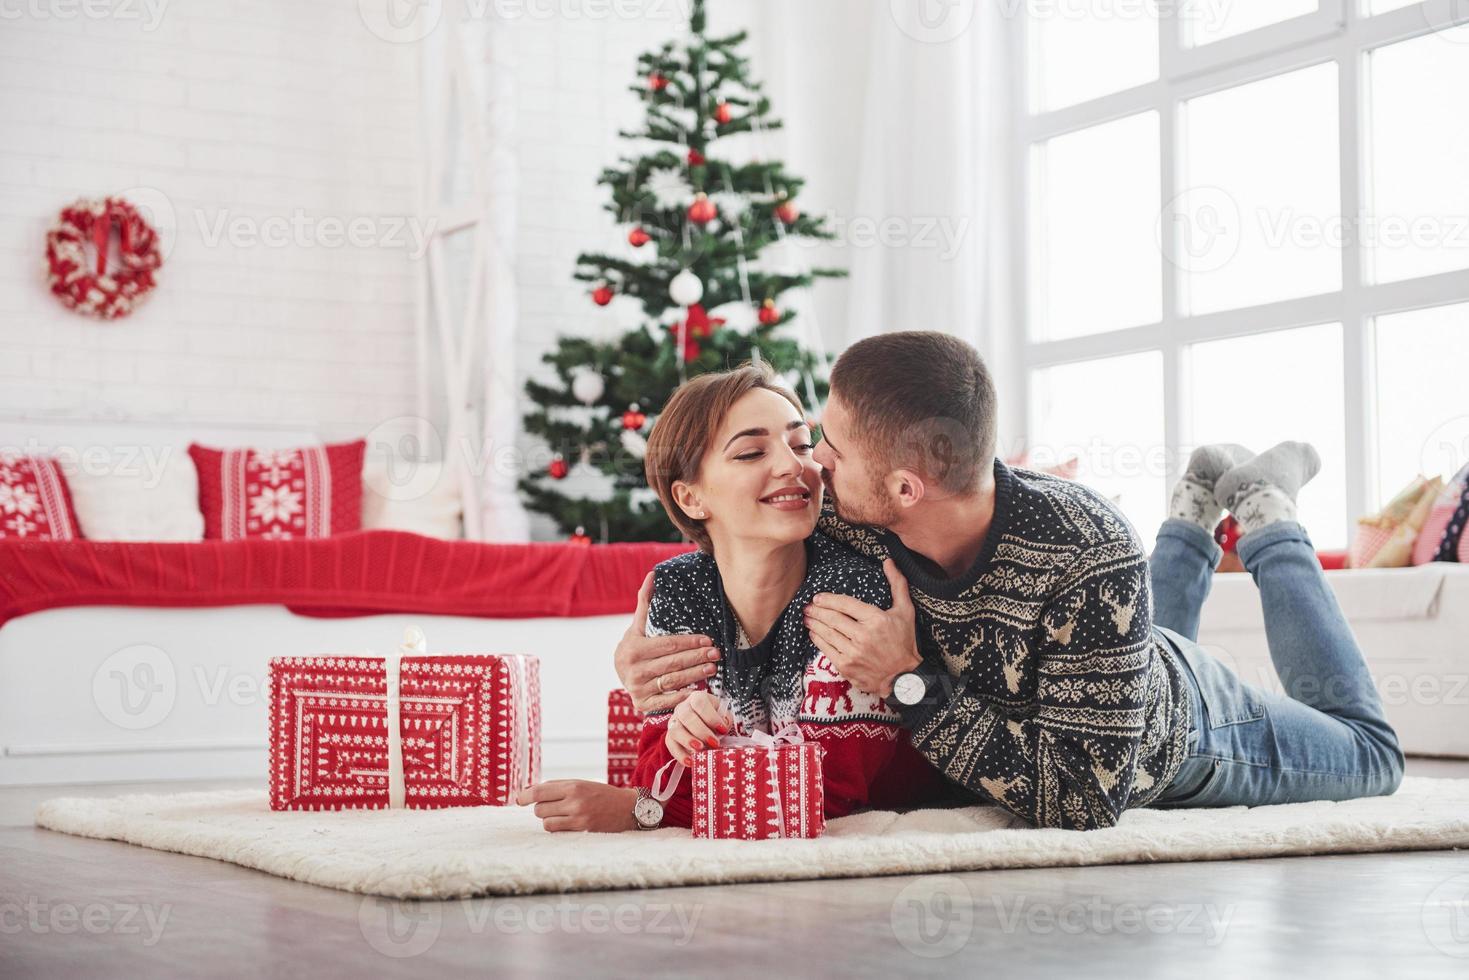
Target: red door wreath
103,294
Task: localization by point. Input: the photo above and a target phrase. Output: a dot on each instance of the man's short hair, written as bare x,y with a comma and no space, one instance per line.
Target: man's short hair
923,401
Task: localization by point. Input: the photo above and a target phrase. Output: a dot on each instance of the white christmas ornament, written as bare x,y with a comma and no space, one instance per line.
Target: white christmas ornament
686,289
634,443
669,189
587,387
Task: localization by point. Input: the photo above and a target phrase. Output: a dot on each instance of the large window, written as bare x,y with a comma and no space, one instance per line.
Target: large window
1247,221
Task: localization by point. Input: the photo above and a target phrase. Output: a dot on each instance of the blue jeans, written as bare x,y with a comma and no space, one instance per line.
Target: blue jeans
1326,737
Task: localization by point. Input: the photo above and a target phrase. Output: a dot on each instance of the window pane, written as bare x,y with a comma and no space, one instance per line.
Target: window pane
1206,21
1095,264
1089,48
1260,217
1268,388
1383,6
1422,411
1109,415
1420,157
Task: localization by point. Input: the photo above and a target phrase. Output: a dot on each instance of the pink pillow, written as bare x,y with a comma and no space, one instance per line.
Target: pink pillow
313,492
34,500
1426,546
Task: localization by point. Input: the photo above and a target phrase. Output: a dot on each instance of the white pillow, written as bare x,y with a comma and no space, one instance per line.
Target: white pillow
141,493
402,495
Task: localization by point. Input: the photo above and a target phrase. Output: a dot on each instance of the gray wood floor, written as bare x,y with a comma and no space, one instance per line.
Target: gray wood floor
75,907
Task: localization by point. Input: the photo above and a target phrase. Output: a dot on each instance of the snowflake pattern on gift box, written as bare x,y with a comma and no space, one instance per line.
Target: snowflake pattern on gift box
33,501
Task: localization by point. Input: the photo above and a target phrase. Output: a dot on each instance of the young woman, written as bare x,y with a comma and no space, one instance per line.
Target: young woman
731,460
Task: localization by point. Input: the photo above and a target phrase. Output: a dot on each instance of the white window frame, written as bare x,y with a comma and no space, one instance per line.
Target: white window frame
1340,31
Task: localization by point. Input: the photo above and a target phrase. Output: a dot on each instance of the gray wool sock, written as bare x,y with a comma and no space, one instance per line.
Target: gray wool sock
1193,495
1263,491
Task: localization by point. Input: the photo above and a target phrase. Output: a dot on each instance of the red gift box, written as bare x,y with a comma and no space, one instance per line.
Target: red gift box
469,724
624,725
759,792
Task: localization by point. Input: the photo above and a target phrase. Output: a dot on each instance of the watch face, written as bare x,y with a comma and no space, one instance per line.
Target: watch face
909,688
648,812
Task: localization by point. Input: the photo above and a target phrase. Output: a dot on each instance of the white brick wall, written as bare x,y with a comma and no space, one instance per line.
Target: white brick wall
243,115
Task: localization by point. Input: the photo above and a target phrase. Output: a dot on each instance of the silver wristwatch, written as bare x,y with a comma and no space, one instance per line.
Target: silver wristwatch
647,812
909,688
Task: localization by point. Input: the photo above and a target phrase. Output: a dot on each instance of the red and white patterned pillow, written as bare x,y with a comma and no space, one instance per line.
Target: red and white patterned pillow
34,500
310,492
1431,537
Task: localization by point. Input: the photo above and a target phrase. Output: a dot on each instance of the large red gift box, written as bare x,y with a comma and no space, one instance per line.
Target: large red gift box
624,725
759,792
470,727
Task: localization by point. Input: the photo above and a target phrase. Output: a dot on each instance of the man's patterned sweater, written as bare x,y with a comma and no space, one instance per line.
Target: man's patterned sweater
1049,691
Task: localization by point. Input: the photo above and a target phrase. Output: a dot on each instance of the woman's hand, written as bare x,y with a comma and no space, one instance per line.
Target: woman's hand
697,723
581,804
656,669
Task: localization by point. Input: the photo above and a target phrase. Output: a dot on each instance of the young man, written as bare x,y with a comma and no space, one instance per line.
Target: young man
1023,649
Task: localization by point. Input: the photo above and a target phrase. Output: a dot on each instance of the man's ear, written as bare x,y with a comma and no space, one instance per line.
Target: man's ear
906,487
688,501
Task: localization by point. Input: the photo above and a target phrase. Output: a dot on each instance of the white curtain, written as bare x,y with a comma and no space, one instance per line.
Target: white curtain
899,113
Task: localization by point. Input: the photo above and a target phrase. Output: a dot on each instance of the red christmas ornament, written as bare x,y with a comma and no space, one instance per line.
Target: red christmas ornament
696,159
602,295
558,468
787,212
702,211
768,313
638,238
633,419
723,113
657,82
580,537
698,324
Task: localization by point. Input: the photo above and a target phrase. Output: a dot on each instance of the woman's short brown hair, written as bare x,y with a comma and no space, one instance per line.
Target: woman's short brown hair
687,426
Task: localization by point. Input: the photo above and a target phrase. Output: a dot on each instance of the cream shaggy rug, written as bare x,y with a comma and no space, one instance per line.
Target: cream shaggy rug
503,850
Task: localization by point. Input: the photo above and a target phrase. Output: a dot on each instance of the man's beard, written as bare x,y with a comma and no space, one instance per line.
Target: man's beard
861,508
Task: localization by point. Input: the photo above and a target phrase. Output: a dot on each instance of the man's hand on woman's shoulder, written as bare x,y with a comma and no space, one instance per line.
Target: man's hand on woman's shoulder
658,671
869,645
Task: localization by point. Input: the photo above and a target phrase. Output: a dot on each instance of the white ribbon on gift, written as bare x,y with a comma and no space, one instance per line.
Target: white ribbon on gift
414,644
787,734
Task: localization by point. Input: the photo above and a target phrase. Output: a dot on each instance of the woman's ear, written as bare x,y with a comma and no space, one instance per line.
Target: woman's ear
688,501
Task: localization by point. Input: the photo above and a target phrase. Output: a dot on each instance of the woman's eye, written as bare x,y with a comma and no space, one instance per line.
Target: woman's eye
750,456
804,447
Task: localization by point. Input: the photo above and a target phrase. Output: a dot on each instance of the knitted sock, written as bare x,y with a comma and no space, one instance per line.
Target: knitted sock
1263,491
1193,496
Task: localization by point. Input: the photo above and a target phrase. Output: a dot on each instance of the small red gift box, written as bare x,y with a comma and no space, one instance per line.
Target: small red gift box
756,792
624,725
469,731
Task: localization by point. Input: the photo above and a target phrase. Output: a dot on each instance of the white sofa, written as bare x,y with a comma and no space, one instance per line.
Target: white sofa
1412,625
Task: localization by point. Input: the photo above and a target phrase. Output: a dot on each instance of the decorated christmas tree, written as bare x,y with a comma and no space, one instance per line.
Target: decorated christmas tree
710,257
